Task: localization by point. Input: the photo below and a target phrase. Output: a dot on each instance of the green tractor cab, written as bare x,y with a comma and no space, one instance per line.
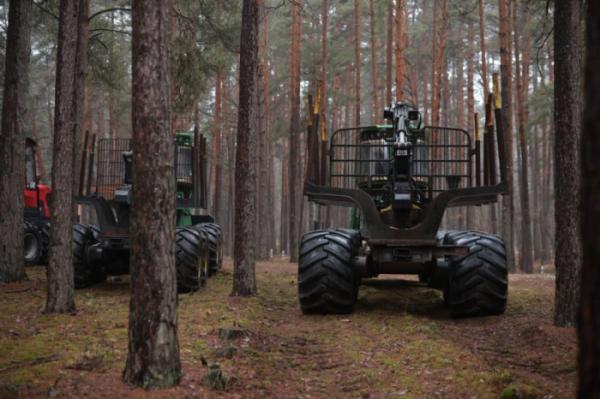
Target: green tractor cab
102,248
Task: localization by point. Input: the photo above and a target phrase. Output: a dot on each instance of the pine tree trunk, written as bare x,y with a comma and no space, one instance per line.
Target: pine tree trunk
244,280
535,183
284,228
89,110
400,21
323,212
231,194
111,94
153,357
78,96
294,141
389,51
434,44
375,95
589,327
262,173
357,62
438,54
324,54
471,210
60,297
12,140
484,76
506,88
100,125
264,203
217,151
491,209
270,162
569,18
522,78
548,177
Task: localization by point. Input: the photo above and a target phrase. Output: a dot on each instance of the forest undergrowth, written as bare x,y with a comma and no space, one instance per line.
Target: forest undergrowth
399,343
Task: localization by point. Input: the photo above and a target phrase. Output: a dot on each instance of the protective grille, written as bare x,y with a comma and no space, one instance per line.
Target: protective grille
441,159
184,175
111,166
184,164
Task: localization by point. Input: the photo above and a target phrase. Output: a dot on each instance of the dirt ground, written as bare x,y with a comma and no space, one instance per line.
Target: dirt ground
399,343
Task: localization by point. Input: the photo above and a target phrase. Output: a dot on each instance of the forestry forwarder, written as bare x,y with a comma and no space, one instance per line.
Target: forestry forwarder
103,249
401,178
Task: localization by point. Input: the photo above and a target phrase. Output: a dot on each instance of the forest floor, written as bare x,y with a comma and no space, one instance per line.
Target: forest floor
399,343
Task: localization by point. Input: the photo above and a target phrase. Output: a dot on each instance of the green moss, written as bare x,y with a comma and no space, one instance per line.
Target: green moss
199,345
502,377
22,376
519,391
23,351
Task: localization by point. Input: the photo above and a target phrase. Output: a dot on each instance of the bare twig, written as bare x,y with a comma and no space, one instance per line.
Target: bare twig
32,362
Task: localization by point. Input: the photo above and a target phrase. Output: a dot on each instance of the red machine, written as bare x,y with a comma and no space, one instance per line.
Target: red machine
37,212
33,197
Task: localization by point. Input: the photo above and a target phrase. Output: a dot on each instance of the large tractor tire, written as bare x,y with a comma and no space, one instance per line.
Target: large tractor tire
219,233
478,282
85,272
213,226
214,244
189,260
32,244
44,230
203,254
327,281
95,231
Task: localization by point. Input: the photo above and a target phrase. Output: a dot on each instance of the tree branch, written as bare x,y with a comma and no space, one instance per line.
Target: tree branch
44,9
125,32
123,9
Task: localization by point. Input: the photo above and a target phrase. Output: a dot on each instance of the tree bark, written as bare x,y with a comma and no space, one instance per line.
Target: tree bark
217,157
244,280
231,194
294,141
153,357
536,167
325,54
112,112
375,95
357,62
285,212
79,87
506,88
522,78
12,141
471,210
323,212
262,173
569,50
484,77
589,327
438,53
60,297
389,51
100,117
264,182
400,20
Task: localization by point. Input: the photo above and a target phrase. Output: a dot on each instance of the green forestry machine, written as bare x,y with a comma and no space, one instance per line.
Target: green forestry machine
102,248
399,179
